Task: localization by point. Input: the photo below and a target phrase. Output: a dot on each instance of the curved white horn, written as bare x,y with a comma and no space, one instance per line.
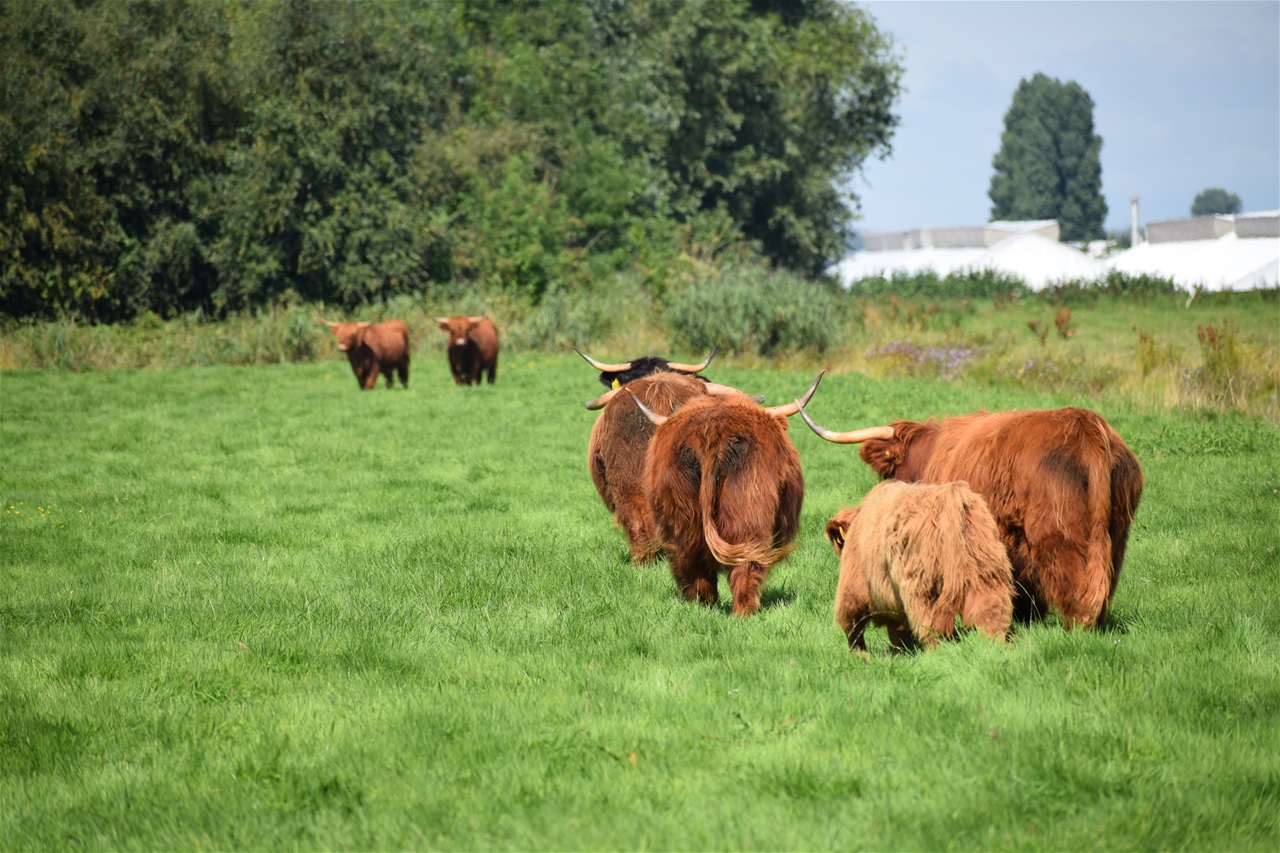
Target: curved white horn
649,413
601,366
786,410
603,400
715,389
856,436
693,368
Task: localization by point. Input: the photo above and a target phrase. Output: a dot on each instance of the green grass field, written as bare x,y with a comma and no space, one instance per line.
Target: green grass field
254,608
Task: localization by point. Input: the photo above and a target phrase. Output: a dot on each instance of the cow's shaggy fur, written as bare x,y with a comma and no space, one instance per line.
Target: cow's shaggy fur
913,557
724,485
472,349
1063,488
616,453
374,348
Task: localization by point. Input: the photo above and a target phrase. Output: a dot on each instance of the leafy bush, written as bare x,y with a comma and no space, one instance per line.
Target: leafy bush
1115,284
576,316
749,309
927,284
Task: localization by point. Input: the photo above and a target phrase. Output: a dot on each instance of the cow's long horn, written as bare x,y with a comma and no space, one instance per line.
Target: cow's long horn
856,436
786,410
715,389
603,400
601,366
327,323
649,413
693,368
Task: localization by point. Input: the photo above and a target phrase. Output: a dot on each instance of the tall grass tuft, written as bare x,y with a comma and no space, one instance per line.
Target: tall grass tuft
751,310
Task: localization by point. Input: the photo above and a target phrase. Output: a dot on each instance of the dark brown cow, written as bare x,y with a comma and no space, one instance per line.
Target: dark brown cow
615,453
374,348
913,556
619,438
617,375
725,488
472,348
1062,485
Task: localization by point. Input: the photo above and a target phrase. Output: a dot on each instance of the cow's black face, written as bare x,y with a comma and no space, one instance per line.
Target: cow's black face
639,369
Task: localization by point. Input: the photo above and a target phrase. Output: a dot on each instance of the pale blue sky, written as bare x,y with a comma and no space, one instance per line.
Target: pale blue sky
1186,96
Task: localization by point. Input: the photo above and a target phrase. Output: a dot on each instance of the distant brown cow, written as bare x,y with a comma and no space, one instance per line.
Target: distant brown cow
913,556
374,348
619,439
724,485
472,348
1062,485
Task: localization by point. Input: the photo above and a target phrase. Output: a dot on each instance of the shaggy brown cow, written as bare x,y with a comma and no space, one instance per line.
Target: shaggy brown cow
913,556
615,453
617,375
472,348
374,348
1062,485
725,488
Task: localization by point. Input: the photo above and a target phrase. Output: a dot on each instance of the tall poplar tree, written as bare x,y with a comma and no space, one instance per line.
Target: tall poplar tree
1049,164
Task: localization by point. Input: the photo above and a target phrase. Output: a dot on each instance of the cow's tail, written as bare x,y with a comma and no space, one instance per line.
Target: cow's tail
948,528
728,553
1095,592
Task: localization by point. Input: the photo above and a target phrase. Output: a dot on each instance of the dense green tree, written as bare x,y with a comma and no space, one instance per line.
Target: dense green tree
115,118
1215,201
763,112
1049,163
317,199
164,155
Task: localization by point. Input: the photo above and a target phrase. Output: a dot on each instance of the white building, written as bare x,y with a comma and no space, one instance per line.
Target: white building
1211,252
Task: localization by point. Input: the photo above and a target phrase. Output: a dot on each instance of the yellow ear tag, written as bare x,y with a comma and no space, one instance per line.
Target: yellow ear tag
616,384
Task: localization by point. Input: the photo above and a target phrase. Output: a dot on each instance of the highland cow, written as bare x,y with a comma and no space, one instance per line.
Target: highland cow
616,450
913,556
472,349
1062,485
725,488
374,348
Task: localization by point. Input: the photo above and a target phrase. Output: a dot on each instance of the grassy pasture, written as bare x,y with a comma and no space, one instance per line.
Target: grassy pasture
254,608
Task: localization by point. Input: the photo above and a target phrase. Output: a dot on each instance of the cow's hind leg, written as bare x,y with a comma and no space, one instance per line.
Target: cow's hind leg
1072,587
403,371
745,582
694,577
855,631
493,372
636,522
901,638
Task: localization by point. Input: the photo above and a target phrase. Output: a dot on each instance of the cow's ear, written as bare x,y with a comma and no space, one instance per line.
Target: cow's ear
444,323
836,530
883,455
